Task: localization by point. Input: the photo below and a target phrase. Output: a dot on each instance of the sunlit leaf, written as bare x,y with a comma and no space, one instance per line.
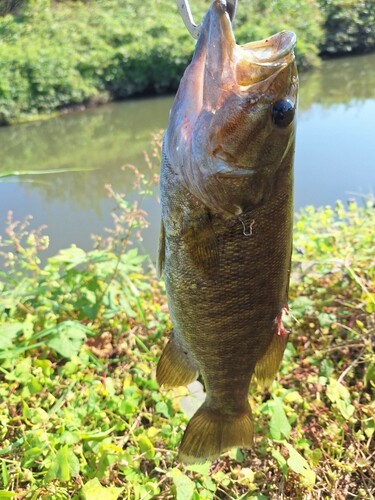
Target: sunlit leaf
68,338
8,332
93,490
279,425
64,466
146,447
299,465
184,486
200,468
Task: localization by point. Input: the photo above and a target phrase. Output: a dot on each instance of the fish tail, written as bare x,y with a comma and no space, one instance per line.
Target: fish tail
210,433
268,365
175,367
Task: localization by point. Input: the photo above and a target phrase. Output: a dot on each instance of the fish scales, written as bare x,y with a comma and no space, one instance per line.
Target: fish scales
226,238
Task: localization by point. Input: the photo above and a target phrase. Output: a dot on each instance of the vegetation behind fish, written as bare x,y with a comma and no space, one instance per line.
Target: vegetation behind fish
112,49
81,413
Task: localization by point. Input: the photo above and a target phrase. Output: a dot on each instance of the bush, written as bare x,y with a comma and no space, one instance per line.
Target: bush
349,26
56,54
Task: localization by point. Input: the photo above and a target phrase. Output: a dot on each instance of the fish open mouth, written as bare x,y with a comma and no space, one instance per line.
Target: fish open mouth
257,61
245,64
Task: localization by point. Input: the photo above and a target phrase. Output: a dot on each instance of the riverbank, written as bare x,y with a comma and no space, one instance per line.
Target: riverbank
57,55
82,415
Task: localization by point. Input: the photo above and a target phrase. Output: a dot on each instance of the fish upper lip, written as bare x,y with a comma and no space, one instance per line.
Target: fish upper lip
270,51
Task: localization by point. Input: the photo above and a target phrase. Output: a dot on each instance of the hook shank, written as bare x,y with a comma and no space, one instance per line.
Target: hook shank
187,17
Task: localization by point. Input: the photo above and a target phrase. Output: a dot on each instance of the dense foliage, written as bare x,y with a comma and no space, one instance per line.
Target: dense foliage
81,414
349,26
54,54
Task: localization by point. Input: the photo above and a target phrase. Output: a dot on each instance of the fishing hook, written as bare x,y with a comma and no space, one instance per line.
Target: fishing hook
245,231
187,17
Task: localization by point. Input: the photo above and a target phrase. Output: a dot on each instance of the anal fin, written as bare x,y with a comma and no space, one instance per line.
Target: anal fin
175,367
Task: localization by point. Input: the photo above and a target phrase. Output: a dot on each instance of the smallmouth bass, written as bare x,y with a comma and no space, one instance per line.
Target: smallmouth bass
226,232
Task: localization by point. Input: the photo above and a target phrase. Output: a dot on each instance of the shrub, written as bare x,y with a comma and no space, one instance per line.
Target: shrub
54,54
349,26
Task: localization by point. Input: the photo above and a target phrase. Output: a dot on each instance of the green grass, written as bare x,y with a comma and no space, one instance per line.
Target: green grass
82,416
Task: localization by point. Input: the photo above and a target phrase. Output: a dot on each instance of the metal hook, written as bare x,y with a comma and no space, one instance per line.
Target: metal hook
194,29
246,232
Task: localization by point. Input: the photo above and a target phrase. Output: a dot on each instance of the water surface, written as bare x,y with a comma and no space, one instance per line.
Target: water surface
335,154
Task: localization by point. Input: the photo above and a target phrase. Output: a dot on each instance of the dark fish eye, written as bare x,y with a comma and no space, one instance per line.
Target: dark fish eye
283,112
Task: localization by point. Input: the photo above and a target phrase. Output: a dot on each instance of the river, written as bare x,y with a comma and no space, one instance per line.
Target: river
64,163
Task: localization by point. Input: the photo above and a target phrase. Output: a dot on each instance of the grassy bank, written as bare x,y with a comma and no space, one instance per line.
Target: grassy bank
82,416
59,54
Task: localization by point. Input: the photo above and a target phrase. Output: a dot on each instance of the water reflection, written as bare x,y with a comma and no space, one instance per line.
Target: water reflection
334,153
348,81
99,141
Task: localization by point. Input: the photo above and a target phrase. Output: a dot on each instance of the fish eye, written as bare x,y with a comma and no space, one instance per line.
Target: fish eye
283,112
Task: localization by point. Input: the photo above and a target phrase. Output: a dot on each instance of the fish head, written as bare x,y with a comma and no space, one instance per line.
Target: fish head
232,125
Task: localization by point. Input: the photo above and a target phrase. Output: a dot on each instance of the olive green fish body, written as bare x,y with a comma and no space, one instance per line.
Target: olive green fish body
225,248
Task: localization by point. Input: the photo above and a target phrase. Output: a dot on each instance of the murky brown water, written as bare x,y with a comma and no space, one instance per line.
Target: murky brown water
335,154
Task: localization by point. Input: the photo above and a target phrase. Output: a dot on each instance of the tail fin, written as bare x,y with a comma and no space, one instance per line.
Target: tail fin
210,433
175,367
266,368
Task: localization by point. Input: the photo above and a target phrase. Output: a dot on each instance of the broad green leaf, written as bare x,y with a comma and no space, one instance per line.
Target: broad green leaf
5,495
68,339
184,486
64,466
8,332
340,395
337,391
346,409
163,409
200,468
299,465
146,447
279,425
72,256
93,490
280,460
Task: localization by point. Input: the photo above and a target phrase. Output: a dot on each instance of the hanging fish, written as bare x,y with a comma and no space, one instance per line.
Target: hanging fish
226,231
